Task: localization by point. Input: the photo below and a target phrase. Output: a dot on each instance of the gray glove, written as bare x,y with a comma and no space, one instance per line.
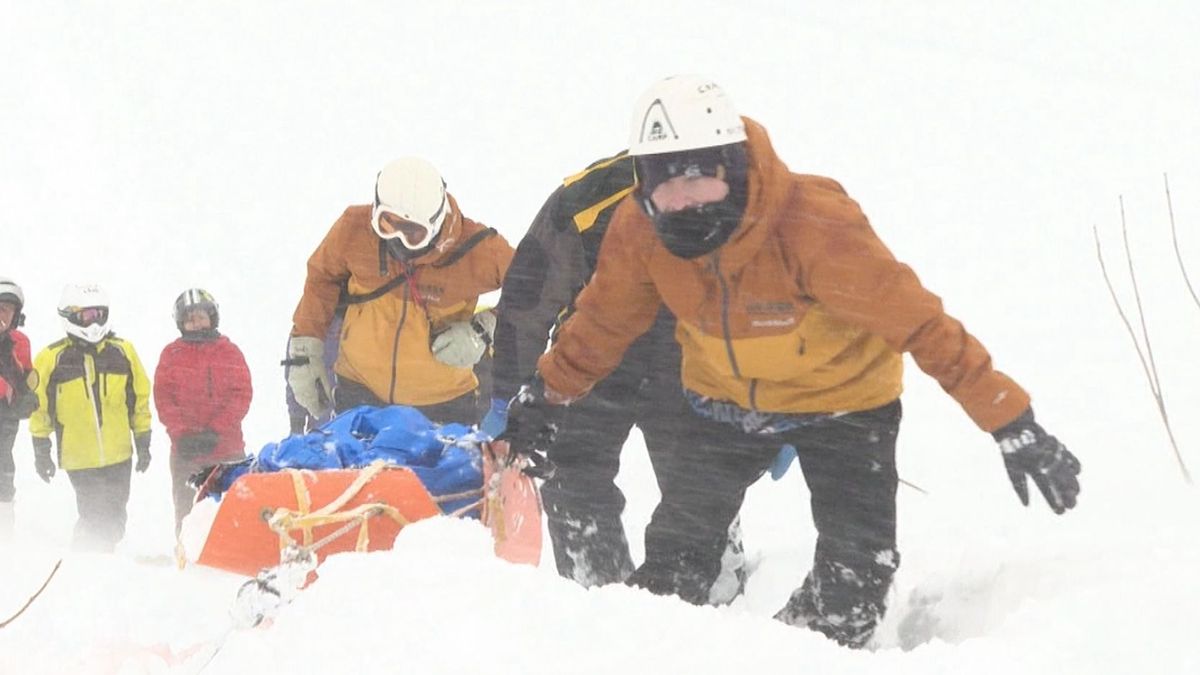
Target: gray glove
307,377
462,344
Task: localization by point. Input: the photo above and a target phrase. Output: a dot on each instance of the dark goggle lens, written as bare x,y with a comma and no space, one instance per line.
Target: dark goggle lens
88,316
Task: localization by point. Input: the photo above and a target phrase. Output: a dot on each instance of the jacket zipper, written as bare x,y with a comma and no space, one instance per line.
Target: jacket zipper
396,347
91,387
737,372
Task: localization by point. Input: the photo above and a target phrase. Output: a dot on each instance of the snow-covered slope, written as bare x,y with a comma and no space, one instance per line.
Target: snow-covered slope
151,147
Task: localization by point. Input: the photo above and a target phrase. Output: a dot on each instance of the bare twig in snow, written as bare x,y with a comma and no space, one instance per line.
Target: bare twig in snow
34,596
1175,242
1146,358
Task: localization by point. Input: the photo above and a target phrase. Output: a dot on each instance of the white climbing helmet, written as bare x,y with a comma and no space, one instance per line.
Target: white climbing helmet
84,312
410,202
684,112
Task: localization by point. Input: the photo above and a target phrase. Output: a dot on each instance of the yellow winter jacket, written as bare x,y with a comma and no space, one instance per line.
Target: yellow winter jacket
94,398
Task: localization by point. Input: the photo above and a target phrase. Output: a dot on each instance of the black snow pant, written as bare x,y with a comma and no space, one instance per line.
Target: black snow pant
849,465
582,503
465,409
8,468
101,497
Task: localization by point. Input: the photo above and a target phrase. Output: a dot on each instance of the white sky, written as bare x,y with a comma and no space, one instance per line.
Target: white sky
152,146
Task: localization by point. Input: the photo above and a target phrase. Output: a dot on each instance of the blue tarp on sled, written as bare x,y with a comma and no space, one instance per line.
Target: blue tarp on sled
445,457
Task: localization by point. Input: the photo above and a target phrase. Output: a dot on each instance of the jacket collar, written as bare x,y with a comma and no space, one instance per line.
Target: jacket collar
447,240
768,179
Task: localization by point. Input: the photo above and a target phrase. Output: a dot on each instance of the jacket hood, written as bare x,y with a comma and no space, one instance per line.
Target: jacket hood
767,190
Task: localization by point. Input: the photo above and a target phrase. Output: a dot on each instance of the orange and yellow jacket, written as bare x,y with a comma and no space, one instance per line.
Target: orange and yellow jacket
803,310
385,341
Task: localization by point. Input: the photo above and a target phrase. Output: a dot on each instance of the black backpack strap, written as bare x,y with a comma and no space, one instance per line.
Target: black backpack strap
346,298
471,242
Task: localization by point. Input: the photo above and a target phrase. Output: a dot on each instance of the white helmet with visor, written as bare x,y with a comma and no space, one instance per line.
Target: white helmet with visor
84,312
410,202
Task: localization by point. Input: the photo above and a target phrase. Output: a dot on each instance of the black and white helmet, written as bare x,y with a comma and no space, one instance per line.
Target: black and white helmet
12,293
196,298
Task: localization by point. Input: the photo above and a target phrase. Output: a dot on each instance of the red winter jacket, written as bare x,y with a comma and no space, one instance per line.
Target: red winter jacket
204,385
19,357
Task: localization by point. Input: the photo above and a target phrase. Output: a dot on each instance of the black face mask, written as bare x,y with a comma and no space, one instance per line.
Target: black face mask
696,231
691,233
207,335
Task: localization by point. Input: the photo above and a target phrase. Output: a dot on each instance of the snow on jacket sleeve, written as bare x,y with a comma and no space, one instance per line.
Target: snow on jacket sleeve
166,393
14,366
139,418
498,257
40,424
542,280
852,273
233,376
619,304
327,271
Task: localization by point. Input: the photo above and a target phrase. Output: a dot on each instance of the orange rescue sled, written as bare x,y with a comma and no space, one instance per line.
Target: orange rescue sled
264,512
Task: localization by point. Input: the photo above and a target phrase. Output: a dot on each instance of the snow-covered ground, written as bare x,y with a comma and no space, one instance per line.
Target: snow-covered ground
153,146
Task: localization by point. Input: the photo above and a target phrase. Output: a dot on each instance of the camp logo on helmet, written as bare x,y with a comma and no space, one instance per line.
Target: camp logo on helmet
656,123
684,112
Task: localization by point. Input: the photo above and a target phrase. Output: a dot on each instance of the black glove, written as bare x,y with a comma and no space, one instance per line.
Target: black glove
197,444
1028,450
42,462
142,443
23,404
532,425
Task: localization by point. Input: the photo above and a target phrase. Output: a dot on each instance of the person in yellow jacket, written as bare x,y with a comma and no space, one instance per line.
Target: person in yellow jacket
408,270
94,398
792,317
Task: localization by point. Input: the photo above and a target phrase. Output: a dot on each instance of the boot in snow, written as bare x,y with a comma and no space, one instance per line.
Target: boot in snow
731,582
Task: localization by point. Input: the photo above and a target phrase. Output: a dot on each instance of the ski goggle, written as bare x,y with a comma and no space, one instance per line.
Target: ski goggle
391,224
85,316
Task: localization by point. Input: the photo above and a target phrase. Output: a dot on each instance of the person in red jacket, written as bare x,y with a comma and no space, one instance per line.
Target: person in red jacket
202,392
16,399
